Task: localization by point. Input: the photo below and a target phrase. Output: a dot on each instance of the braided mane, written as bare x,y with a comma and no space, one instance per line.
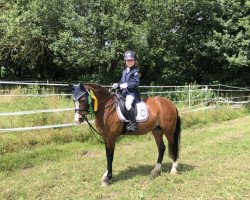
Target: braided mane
98,88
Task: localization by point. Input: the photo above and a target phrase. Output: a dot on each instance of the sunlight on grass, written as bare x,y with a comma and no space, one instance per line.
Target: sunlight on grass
214,164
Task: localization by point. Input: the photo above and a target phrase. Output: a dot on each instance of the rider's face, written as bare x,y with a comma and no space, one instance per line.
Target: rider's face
130,63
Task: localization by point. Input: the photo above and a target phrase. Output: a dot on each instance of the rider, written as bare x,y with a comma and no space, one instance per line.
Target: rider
129,87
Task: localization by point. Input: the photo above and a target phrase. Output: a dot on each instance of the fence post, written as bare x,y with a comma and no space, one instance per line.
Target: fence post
206,90
189,96
218,92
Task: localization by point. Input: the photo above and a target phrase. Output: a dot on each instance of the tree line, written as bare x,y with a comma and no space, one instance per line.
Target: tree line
177,41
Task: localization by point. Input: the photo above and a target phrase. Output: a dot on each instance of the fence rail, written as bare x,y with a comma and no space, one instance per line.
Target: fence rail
188,89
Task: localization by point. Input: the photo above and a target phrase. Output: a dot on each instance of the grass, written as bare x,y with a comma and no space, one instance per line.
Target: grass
214,164
67,163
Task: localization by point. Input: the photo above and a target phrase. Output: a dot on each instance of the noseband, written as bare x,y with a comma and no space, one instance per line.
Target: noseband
77,98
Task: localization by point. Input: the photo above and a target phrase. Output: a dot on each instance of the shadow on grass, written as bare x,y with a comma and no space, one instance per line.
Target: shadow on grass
145,170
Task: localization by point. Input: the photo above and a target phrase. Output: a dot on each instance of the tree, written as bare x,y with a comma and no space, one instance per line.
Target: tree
229,45
178,42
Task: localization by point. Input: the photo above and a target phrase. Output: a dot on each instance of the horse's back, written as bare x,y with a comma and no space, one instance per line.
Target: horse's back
159,102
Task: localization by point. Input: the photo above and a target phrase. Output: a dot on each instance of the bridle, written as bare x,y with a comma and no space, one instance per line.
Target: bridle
88,104
81,111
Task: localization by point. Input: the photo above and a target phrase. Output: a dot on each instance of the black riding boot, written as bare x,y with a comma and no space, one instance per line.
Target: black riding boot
132,126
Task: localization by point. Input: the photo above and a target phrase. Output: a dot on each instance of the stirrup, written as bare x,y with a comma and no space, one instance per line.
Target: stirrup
132,127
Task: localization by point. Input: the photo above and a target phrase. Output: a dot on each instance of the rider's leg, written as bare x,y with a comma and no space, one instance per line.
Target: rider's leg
129,101
131,114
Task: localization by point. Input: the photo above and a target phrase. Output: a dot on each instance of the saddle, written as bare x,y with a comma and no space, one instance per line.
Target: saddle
140,107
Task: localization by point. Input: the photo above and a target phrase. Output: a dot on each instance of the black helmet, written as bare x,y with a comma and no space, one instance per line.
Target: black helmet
130,55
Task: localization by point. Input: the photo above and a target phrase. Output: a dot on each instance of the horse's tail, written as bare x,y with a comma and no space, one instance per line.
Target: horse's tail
175,147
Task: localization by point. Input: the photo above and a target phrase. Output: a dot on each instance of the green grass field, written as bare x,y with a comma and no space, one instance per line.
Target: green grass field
214,164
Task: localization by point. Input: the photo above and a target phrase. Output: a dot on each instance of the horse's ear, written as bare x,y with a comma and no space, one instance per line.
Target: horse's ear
72,87
82,86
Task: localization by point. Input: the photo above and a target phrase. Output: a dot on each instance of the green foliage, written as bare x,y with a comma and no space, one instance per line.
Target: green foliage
229,45
178,42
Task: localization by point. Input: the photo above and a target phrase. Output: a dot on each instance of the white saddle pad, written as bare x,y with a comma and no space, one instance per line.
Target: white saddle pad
142,112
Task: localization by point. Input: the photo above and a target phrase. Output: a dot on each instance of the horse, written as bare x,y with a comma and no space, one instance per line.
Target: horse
163,119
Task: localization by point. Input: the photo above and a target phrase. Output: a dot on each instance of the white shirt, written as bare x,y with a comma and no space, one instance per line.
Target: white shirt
128,69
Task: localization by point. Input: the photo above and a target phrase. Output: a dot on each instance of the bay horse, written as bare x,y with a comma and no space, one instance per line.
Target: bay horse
163,120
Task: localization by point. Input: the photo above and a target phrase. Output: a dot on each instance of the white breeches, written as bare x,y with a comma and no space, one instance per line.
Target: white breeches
129,101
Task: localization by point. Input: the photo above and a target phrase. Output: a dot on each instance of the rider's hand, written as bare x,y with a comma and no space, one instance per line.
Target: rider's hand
115,86
124,85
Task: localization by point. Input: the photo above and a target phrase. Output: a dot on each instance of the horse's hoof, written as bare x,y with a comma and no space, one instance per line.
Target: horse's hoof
173,172
105,180
105,183
154,173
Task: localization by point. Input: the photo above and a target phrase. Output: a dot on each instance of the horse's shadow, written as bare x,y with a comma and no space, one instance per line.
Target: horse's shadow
145,170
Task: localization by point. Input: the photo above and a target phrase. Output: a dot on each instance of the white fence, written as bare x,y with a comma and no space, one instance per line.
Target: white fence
235,97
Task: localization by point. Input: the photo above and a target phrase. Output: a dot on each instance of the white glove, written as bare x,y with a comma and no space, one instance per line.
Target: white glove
124,85
115,86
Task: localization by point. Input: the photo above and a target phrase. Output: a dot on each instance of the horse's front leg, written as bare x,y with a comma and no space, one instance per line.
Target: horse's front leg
107,176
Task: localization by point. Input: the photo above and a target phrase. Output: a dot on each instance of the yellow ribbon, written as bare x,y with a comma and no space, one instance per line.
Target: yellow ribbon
95,100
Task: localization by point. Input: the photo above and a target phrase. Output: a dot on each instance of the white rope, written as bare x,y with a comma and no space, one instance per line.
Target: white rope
164,92
34,112
34,83
143,93
220,100
210,99
183,111
202,90
235,87
32,95
233,102
36,127
41,127
223,90
198,109
238,97
176,86
191,107
71,124
46,83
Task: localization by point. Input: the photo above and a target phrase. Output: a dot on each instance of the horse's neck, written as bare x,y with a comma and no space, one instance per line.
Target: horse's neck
100,94
106,103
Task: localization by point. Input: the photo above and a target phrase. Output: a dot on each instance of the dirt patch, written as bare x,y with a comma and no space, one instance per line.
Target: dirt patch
91,154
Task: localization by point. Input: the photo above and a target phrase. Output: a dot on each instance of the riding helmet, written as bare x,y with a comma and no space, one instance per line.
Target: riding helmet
130,55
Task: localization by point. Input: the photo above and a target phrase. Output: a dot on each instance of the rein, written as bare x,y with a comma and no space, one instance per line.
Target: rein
93,129
105,100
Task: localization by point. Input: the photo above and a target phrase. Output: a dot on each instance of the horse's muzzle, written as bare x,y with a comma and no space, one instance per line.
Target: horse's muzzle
79,118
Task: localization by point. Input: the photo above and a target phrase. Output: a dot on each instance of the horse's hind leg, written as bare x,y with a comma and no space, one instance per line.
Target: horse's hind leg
158,134
173,138
171,152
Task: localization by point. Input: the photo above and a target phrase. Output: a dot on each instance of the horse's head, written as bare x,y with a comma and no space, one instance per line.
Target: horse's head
80,98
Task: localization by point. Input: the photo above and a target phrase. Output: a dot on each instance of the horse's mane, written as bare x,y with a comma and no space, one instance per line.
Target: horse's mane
98,88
